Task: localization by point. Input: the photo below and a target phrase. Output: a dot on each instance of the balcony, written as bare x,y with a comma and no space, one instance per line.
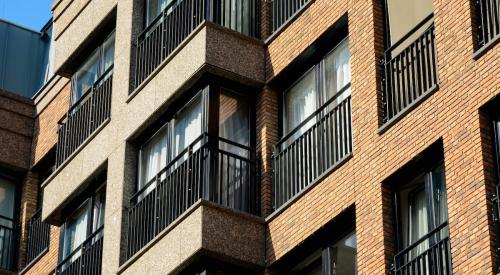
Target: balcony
179,19
283,11
487,15
325,143
38,237
410,71
84,117
203,171
8,243
86,258
428,256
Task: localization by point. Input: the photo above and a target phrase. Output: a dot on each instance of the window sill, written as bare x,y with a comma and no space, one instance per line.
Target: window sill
484,49
382,129
304,191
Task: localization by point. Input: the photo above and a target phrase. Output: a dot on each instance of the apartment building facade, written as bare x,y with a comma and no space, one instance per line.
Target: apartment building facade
260,137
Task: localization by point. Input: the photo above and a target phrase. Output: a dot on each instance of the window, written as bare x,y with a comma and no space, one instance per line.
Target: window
94,67
496,142
185,127
315,88
7,202
154,8
83,223
339,258
423,208
403,16
171,140
422,220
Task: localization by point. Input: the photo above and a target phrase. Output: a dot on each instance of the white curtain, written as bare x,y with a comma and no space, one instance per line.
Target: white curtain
187,128
85,77
75,233
236,15
419,223
337,71
234,126
300,103
153,158
98,209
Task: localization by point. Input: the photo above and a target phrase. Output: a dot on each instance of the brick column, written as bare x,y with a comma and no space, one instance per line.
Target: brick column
29,198
267,136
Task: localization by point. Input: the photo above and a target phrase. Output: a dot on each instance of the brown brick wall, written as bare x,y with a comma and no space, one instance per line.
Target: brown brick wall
450,114
16,130
45,133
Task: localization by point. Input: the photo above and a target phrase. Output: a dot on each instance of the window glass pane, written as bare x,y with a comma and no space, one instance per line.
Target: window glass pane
404,15
236,15
187,126
7,201
337,70
345,259
153,158
414,217
108,53
301,102
154,8
75,231
234,121
85,77
98,208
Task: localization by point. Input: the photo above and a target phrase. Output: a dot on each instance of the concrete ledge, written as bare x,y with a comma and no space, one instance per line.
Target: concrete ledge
205,228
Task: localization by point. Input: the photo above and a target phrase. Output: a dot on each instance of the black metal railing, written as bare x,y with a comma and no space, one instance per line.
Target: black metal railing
409,73
8,243
283,10
430,255
487,21
84,117
86,258
180,18
211,168
38,237
326,141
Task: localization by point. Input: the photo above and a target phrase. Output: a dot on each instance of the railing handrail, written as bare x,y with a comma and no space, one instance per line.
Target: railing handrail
87,93
410,33
203,138
313,115
7,218
422,239
409,263
81,246
161,15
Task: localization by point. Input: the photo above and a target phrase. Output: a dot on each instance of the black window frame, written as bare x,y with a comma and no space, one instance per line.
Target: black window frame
426,173
319,73
88,201
101,73
209,89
